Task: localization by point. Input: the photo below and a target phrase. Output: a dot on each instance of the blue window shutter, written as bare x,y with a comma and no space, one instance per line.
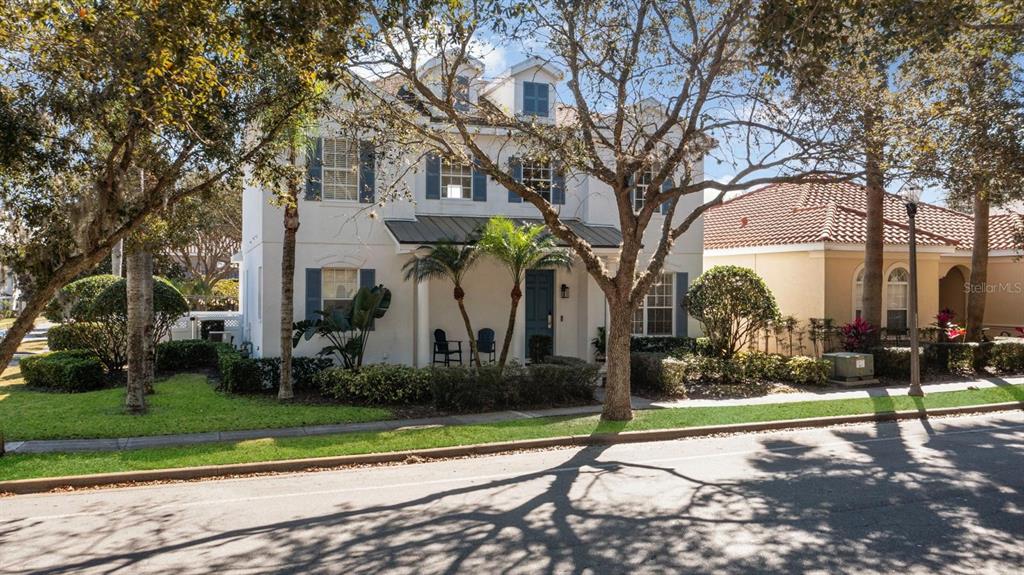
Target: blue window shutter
479,183
541,100
516,166
529,100
682,285
666,186
314,169
368,279
557,184
433,177
313,292
367,172
461,93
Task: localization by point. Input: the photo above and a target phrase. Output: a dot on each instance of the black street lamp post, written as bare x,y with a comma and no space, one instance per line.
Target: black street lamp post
912,196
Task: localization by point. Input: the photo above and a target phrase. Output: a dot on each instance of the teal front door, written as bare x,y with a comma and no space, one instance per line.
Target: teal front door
540,312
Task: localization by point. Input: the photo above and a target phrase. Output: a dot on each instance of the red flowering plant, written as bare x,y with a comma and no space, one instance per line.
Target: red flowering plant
857,335
954,331
1020,331
945,318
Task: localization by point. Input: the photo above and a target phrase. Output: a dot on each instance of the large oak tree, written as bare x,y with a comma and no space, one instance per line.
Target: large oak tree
188,92
650,85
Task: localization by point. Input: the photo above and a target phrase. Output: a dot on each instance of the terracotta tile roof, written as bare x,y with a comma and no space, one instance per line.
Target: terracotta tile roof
835,212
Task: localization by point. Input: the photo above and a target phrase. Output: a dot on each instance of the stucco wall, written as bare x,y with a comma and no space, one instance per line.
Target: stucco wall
796,279
843,265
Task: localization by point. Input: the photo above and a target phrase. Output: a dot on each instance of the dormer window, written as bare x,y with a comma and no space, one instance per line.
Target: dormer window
535,99
461,95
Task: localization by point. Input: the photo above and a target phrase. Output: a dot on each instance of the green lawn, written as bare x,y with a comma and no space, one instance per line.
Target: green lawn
52,465
182,404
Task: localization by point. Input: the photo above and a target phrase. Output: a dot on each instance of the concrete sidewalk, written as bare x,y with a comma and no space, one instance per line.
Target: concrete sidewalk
125,443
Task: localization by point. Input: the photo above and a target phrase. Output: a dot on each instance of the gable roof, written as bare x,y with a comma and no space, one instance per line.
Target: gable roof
833,212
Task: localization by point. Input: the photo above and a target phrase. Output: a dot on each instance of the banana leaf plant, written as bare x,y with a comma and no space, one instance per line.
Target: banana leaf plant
346,329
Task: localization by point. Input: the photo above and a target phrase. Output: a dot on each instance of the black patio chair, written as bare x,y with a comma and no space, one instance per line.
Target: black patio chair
485,343
446,348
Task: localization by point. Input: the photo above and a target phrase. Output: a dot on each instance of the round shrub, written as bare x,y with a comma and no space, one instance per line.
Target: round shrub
74,301
68,371
808,371
78,335
761,366
733,304
111,305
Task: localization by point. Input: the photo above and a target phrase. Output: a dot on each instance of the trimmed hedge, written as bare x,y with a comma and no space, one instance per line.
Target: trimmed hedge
955,357
240,374
69,371
647,344
181,355
892,362
463,389
669,376
376,384
1007,357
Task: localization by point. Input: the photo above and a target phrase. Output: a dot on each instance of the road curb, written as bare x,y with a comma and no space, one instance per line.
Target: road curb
25,486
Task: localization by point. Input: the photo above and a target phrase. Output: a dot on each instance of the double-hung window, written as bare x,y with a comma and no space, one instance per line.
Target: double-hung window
654,316
456,180
898,299
338,288
538,176
643,182
340,169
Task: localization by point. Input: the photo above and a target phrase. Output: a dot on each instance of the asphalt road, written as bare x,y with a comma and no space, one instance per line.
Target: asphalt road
945,496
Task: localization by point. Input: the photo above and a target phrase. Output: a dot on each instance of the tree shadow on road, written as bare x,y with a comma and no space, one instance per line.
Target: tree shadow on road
867,501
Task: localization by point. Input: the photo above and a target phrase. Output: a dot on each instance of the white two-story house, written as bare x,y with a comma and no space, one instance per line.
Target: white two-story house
346,241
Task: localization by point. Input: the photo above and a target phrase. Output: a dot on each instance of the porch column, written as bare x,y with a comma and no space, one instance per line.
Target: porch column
424,340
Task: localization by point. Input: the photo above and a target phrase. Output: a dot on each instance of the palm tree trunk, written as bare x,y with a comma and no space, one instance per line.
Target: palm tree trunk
510,330
469,330
617,405
140,329
976,296
871,306
291,227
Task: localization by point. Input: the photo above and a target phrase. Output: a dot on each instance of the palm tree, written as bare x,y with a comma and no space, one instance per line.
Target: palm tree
448,261
520,248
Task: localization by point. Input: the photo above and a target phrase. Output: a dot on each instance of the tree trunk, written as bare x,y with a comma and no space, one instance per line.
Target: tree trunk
291,227
977,294
617,406
469,327
510,330
140,329
871,306
34,305
117,259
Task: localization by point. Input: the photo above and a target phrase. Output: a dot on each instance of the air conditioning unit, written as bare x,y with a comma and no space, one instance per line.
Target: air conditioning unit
851,369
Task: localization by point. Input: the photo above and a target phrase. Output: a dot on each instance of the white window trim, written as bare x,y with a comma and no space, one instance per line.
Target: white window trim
639,189
885,300
858,298
672,307
550,179
468,173
355,169
323,286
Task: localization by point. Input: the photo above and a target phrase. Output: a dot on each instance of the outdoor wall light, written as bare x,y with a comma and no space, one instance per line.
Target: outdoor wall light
565,291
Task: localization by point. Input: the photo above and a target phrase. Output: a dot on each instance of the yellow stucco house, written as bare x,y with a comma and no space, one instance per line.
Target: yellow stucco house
807,242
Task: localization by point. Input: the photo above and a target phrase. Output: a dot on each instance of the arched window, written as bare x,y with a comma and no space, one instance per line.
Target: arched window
858,294
898,294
